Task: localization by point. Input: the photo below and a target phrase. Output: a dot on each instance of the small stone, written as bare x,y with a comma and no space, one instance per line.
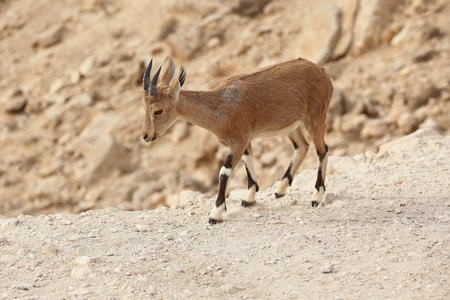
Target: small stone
152,290
56,85
407,123
78,291
328,268
82,261
330,197
87,66
340,203
378,244
81,100
66,222
168,237
50,249
268,159
15,105
174,269
80,272
74,77
143,228
3,240
229,288
249,8
50,37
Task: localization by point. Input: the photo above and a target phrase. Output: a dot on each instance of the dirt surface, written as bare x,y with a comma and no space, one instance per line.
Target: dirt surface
383,233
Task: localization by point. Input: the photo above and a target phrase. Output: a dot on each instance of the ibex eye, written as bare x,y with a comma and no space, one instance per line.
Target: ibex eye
158,112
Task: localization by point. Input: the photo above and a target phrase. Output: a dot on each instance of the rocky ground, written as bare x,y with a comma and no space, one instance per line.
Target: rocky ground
70,89
383,233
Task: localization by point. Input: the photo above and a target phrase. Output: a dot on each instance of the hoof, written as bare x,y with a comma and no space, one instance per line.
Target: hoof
314,203
246,204
279,195
214,221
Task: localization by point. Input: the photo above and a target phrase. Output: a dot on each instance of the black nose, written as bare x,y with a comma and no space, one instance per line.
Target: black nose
145,137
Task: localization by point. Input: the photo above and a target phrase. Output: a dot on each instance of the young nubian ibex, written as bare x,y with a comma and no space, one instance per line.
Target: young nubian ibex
284,98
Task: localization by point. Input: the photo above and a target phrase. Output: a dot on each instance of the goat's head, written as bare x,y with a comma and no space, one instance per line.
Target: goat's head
160,98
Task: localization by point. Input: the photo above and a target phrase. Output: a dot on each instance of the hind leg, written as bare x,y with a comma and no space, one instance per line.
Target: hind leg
322,161
301,147
253,187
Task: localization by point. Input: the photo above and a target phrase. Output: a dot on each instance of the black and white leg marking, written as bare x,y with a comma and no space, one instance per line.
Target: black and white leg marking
301,147
216,214
251,175
319,188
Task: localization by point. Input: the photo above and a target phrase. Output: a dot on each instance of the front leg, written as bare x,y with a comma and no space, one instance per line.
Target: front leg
251,175
225,172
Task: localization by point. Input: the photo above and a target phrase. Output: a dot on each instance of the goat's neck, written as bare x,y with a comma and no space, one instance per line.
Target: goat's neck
201,108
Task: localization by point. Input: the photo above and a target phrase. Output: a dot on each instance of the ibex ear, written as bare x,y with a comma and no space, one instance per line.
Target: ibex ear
182,77
168,70
175,88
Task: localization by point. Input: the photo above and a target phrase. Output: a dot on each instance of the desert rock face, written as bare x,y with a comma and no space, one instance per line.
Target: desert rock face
70,90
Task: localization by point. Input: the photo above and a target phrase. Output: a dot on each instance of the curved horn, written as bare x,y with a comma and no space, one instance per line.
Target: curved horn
146,81
154,82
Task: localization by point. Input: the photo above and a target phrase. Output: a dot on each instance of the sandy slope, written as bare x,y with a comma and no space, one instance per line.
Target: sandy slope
384,229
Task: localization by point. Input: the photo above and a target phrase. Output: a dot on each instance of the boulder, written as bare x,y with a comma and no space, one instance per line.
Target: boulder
407,123
414,140
13,101
372,18
50,37
374,128
46,187
250,8
186,42
349,9
101,154
319,34
413,31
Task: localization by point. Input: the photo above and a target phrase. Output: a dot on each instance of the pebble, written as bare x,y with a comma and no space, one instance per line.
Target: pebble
15,105
340,203
77,291
82,260
168,237
3,240
50,249
143,228
80,272
152,290
229,288
268,159
330,197
66,222
378,244
174,269
74,237
328,268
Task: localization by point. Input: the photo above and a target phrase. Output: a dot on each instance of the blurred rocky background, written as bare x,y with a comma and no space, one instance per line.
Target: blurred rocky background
71,74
